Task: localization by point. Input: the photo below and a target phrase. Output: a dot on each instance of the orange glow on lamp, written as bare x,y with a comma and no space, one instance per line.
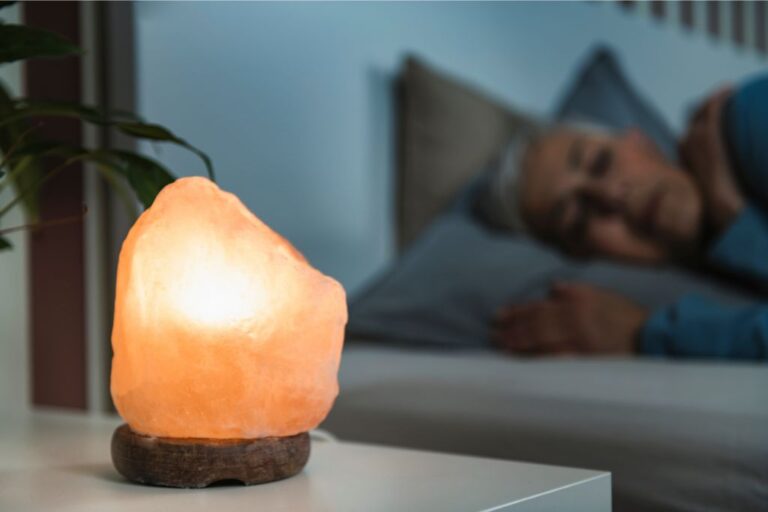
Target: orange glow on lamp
224,338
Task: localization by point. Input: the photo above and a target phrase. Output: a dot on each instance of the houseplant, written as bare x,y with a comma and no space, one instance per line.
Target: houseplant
28,161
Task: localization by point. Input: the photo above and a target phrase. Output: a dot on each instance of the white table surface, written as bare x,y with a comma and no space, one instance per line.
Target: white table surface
61,461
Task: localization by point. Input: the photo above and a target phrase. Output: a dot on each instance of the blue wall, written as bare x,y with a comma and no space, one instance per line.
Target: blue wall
291,99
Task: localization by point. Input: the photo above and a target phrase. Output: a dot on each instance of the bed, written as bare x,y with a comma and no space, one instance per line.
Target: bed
418,370
674,435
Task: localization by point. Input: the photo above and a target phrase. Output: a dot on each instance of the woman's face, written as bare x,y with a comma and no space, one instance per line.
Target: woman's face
605,195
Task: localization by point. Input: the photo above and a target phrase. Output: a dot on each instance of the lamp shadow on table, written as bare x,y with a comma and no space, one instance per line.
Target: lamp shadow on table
103,472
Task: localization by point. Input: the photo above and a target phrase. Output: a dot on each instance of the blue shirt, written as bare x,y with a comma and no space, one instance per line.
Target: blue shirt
693,326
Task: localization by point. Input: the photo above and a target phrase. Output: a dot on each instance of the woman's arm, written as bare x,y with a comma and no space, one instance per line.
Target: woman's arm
743,247
726,152
580,318
695,327
744,126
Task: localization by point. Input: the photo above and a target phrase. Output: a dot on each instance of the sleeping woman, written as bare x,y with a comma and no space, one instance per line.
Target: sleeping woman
594,193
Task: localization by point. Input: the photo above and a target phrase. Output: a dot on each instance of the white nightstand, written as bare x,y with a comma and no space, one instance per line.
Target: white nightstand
61,461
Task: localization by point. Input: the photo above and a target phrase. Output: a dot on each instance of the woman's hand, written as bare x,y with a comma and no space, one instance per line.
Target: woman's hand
575,318
704,154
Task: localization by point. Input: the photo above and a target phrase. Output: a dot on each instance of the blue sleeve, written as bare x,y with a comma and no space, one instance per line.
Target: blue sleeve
745,128
694,327
743,248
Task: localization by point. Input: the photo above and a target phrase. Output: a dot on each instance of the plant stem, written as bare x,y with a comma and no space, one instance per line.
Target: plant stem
38,225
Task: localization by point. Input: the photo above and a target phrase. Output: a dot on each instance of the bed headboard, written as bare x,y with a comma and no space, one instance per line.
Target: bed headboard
742,24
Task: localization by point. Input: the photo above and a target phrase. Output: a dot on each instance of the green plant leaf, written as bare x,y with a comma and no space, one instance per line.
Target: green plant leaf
28,108
10,135
149,131
5,244
126,122
108,168
18,167
18,42
33,188
146,176
121,188
45,148
25,171
156,132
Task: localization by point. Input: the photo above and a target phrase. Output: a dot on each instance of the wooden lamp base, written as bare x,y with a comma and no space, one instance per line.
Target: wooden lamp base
171,462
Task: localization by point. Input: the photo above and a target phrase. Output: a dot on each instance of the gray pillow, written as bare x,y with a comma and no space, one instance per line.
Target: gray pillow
443,290
601,94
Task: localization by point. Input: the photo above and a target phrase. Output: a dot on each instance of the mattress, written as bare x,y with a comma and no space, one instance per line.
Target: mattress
675,435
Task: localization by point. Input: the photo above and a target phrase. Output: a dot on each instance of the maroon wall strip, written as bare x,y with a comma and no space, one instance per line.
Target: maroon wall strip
56,263
713,18
760,28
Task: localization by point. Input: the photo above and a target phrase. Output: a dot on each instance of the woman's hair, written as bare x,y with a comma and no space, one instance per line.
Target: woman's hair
498,202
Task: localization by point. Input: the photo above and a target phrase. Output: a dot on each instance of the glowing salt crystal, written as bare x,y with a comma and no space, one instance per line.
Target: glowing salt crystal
222,329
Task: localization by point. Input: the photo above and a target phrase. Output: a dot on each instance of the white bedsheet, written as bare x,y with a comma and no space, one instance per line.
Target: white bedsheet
675,435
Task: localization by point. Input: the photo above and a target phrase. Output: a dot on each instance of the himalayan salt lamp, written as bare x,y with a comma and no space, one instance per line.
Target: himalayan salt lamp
226,341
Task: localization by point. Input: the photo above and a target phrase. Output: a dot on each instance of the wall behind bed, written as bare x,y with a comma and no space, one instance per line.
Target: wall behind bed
292,100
